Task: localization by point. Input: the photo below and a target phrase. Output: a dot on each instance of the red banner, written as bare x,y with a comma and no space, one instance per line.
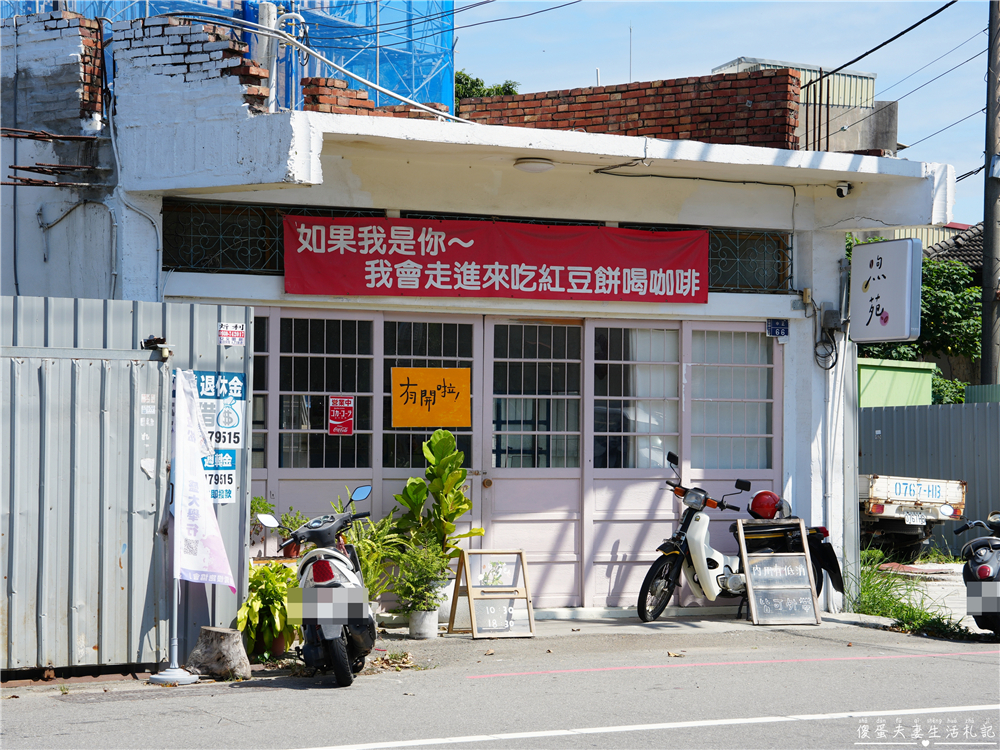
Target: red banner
415,258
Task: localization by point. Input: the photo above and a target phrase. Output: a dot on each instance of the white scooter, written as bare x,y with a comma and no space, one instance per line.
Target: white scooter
711,573
338,627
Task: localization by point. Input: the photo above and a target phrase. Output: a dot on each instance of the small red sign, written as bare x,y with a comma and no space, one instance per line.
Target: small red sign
340,419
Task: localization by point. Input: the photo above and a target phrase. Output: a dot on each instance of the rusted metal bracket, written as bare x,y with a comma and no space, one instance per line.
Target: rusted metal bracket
42,135
31,182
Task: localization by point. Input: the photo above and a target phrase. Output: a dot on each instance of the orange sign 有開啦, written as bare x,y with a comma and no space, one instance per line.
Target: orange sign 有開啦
431,397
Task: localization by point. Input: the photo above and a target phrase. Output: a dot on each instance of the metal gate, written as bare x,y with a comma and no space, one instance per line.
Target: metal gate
85,437
957,441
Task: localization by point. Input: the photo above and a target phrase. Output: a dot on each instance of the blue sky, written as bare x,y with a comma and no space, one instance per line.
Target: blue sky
562,48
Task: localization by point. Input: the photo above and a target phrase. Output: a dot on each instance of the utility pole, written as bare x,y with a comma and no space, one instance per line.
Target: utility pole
991,215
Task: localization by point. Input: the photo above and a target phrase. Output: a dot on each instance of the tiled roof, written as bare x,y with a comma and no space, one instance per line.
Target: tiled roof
966,247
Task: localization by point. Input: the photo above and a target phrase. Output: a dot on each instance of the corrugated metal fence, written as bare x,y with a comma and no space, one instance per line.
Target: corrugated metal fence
958,441
85,437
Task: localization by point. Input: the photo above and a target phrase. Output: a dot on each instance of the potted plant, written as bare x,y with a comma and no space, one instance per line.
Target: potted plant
422,568
258,505
378,545
263,618
445,485
291,521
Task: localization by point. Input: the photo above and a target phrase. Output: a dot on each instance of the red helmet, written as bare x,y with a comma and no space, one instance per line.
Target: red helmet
767,504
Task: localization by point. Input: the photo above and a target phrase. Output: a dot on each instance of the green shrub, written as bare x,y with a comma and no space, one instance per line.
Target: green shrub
378,545
258,505
264,615
422,570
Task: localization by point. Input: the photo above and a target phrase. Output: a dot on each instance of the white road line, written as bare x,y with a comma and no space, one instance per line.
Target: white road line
657,727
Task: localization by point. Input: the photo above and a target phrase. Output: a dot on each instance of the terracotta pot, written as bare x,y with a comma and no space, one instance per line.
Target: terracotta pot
277,647
292,550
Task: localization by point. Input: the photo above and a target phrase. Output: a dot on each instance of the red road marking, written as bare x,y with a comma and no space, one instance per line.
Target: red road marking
729,664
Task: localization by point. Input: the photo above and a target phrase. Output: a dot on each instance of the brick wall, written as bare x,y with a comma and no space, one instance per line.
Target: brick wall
59,82
333,95
758,109
190,53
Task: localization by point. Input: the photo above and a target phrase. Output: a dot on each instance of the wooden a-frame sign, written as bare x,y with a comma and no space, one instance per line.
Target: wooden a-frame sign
781,588
496,609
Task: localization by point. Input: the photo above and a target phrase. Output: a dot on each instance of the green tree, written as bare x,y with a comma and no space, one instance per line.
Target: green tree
466,87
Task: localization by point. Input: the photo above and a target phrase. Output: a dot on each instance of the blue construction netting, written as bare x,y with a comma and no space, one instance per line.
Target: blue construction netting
405,47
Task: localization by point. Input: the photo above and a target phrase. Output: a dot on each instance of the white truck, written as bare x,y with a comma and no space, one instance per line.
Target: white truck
898,514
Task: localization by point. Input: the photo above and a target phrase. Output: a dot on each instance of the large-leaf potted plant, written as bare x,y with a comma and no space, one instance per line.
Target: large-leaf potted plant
422,568
444,485
263,618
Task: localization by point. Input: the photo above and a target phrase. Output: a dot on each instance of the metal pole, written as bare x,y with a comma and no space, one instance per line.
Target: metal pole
174,674
991,197
378,51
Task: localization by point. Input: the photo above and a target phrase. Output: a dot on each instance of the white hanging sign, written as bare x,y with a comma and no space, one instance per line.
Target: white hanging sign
885,291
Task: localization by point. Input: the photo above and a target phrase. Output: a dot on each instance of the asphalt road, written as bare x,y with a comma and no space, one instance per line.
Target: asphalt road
747,687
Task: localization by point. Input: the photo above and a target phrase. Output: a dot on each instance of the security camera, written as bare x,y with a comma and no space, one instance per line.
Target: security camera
843,189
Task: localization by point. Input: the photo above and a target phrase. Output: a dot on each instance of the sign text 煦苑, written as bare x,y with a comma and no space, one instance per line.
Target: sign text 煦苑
431,397
422,258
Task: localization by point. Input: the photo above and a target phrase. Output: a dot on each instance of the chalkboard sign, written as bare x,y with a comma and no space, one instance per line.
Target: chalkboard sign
780,585
492,586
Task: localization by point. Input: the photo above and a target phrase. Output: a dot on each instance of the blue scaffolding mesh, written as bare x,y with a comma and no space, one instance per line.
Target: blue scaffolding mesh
405,47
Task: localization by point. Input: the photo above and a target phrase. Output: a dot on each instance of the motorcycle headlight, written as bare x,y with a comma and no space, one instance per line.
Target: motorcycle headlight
947,510
695,498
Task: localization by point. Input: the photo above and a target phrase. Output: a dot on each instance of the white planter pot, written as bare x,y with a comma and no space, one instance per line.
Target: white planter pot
424,625
444,611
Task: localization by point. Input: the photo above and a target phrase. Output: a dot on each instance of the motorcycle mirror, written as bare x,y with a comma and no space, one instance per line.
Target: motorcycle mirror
361,493
266,519
672,458
743,485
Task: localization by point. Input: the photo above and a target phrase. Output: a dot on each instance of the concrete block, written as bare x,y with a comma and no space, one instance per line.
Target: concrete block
215,55
175,49
193,29
158,21
121,25
213,46
197,76
196,38
197,58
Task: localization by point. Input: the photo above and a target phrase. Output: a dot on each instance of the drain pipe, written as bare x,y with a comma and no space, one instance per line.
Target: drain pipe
17,286
268,16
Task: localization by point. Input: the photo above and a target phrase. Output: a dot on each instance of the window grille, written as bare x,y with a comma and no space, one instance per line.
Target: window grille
243,238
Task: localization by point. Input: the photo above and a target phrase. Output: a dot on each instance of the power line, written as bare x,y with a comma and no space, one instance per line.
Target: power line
970,173
844,114
471,25
857,122
887,41
932,62
394,26
978,111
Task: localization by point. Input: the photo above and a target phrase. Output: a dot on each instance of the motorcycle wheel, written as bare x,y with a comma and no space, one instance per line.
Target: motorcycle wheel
658,587
988,622
336,650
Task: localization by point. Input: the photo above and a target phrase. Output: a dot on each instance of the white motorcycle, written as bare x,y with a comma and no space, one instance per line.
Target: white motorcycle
338,627
711,573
